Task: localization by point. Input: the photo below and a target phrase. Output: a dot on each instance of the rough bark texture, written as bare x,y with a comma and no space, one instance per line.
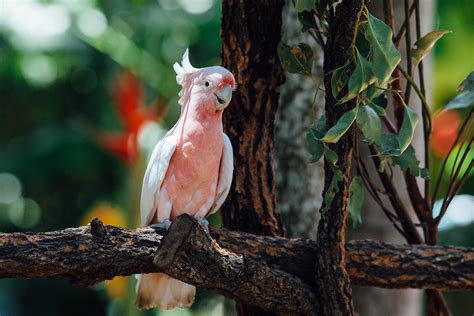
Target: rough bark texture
91,254
250,32
299,185
250,35
334,285
234,275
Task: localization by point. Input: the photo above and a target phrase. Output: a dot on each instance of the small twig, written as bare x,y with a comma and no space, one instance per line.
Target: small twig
443,166
452,188
410,230
408,48
400,33
424,103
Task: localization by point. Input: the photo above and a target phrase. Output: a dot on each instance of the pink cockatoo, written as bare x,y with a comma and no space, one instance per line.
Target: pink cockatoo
190,170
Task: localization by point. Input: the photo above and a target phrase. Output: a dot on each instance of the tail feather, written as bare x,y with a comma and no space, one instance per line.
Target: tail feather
160,290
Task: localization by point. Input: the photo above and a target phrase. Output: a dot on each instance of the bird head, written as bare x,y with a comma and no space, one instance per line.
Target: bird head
210,85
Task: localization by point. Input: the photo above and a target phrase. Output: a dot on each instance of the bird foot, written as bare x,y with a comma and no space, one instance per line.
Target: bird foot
203,222
164,225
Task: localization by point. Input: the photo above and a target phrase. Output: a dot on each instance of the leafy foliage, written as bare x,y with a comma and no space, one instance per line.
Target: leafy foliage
465,99
369,123
385,56
313,139
297,60
341,126
425,44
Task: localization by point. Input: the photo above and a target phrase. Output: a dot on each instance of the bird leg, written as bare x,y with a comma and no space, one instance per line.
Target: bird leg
203,222
164,225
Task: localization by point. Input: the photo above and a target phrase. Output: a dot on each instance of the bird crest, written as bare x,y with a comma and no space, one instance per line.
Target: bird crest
184,68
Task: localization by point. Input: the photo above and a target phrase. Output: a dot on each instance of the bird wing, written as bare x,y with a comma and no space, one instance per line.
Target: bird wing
225,174
154,175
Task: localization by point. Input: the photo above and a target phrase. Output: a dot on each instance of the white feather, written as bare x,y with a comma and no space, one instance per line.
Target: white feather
226,171
184,68
154,175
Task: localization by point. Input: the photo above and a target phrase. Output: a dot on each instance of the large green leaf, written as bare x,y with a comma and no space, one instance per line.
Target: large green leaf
356,199
425,44
314,145
369,123
389,145
330,155
341,126
407,130
298,59
409,161
332,190
385,56
465,99
395,145
305,5
361,77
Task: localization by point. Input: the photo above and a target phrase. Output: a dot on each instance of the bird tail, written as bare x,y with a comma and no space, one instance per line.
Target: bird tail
160,290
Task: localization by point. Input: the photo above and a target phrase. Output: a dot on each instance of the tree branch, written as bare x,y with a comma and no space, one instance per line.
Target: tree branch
236,264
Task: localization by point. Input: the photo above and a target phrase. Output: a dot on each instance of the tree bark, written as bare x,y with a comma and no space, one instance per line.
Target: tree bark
94,253
250,32
334,284
250,35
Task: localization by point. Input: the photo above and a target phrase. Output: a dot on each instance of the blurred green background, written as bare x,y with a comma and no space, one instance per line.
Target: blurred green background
86,88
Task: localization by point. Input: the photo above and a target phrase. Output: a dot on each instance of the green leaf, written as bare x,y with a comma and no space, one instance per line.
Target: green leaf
465,99
424,173
361,77
425,44
385,56
341,126
330,155
379,104
332,190
314,145
467,84
363,46
369,124
339,78
376,89
407,130
305,5
395,145
389,145
408,161
298,59
356,199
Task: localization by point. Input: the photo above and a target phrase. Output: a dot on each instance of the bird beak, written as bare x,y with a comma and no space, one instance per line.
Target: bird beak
223,97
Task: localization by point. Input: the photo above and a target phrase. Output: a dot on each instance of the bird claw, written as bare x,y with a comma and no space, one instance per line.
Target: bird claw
164,225
203,222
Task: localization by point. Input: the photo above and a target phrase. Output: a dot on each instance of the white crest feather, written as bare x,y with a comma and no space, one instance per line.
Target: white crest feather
184,68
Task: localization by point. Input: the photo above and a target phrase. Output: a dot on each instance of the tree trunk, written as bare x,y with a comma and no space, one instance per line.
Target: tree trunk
299,184
333,281
250,34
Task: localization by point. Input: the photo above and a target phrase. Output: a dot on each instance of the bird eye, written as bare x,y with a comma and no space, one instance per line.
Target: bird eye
206,83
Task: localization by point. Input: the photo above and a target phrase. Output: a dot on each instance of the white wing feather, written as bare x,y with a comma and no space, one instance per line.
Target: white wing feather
225,174
154,175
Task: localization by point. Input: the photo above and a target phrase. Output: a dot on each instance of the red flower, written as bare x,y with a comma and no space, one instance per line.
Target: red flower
128,95
445,129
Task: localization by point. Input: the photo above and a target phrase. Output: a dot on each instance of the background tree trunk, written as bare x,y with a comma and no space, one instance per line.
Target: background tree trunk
250,34
299,184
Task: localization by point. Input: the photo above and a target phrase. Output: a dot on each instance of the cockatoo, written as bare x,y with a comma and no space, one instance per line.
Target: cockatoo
189,171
